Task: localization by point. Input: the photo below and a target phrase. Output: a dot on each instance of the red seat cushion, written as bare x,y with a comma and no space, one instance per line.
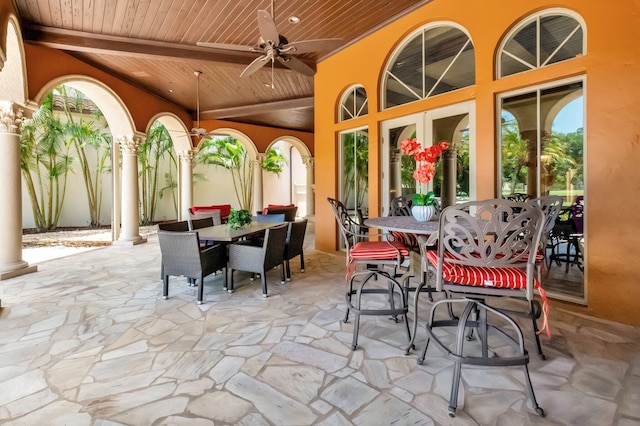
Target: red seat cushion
378,250
483,276
225,209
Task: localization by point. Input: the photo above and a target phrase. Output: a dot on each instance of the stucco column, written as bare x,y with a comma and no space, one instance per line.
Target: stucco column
258,191
449,177
310,166
130,234
531,137
186,182
11,263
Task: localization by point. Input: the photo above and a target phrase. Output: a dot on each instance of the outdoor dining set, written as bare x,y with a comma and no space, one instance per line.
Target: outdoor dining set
204,245
481,263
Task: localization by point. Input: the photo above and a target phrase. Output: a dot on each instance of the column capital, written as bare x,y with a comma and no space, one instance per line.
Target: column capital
257,162
308,161
395,155
11,118
129,144
186,155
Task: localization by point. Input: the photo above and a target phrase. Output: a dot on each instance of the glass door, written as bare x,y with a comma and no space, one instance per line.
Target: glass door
542,153
397,168
454,124
454,181
354,171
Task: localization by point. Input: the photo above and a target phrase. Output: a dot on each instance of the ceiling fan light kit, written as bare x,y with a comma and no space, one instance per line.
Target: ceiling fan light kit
198,131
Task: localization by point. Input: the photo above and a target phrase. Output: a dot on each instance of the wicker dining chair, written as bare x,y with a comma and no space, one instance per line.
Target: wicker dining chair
486,249
259,259
374,256
197,215
182,256
181,226
293,246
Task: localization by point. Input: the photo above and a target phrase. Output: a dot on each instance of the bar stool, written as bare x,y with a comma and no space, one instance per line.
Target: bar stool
374,256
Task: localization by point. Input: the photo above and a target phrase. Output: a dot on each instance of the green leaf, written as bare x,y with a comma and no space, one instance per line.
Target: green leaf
424,199
239,218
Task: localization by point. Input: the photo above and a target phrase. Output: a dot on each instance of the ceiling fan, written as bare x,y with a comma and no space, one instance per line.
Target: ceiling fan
199,131
274,46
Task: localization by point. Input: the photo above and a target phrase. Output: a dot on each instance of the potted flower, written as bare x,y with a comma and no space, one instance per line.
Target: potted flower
423,208
238,218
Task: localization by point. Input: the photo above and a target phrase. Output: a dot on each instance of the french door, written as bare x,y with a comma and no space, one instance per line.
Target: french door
454,124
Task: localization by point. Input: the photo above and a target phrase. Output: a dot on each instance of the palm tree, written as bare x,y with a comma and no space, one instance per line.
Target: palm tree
45,163
229,153
514,155
84,134
155,148
355,165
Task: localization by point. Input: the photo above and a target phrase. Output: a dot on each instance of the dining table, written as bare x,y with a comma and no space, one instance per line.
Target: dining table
417,265
224,233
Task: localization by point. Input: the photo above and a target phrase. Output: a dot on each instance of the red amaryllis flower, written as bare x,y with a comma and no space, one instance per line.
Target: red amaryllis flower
410,146
425,172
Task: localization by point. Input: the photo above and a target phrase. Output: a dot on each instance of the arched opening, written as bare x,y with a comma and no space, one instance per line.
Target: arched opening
295,184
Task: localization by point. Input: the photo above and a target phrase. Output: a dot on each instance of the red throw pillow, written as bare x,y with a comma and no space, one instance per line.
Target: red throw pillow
225,209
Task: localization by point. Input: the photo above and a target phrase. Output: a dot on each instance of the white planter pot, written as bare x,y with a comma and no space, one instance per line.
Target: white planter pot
423,213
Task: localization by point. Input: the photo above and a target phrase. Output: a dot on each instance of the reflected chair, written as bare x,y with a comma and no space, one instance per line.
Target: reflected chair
374,255
293,246
400,206
565,236
246,256
486,252
182,256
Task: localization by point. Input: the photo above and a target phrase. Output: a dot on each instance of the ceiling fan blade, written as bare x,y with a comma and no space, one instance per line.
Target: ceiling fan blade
307,46
226,46
255,66
296,65
268,30
209,135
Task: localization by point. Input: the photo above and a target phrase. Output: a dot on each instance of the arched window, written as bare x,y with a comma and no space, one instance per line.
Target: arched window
431,61
354,103
544,39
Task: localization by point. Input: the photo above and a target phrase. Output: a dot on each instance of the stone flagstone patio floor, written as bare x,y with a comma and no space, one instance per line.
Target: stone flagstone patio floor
88,340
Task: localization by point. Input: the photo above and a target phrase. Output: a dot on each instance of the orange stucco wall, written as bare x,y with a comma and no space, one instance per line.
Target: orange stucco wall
612,102
142,105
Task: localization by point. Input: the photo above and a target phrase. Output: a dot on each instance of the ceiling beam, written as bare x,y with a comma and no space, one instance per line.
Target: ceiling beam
243,111
81,41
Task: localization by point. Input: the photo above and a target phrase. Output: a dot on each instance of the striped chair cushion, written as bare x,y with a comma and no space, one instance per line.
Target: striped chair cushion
378,250
409,240
482,276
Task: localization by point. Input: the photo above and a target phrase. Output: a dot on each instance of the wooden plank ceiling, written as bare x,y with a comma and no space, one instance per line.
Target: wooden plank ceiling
152,44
